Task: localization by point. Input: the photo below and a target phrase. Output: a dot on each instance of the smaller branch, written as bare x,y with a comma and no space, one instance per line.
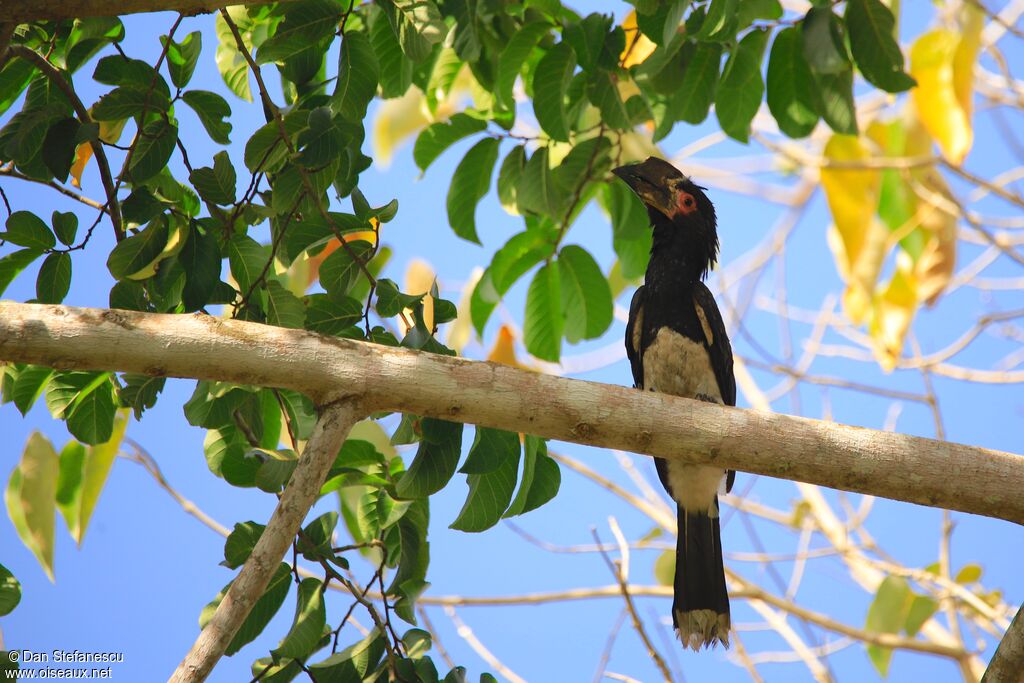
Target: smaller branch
9,171
466,633
55,76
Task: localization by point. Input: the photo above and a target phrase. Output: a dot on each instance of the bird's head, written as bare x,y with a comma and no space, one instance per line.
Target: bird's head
682,216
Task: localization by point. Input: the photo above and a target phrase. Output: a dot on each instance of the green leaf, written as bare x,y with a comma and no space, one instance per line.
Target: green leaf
603,92
700,79
262,612
920,610
69,483
470,183
128,101
14,78
749,11
586,297
543,323
201,259
720,21
14,263
585,162
136,252
59,145
10,591
231,64
116,70
153,149
65,226
587,38
248,260
631,232
358,72
391,301
305,24
265,150
435,461
665,568
91,415
508,177
395,67
536,192
339,271
212,110
54,279
437,137
521,253
284,309
541,478
420,27
873,43
512,58
550,84
823,42
739,93
216,185
182,57
331,315
94,470
139,392
837,105
30,496
29,386
240,542
887,614
353,663
26,229
491,448
308,624
315,540
791,96
490,492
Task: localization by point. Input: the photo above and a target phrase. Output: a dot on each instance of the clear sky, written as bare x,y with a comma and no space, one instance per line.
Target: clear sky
146,568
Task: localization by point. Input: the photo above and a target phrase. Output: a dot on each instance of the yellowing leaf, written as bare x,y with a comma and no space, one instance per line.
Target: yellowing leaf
397,120
857,240
934,267
460,329
893,312
972,21
95,469
31,499
935,97
638,46
110,131
419,278
504,349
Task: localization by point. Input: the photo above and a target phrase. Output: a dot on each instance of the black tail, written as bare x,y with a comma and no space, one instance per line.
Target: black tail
700,608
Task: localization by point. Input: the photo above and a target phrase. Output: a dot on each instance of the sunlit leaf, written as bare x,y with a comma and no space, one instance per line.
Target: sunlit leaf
30,497
550,83
887,614
935,97
894,308
543,323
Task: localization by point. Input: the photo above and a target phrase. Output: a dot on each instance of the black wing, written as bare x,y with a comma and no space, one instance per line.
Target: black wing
718,346
634,326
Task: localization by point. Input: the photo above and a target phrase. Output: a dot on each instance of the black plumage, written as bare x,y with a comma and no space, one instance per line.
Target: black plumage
676,343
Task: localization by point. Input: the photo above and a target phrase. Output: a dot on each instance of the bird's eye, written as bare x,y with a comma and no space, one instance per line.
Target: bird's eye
688,202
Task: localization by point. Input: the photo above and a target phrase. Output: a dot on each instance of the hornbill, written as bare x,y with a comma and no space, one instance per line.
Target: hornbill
677,344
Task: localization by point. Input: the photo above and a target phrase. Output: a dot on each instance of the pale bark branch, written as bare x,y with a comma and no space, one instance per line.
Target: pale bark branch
897,466
1005,666
37,10
298,497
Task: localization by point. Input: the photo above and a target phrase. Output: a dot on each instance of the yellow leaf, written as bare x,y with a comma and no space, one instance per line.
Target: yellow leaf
934,268
638,46
893,312
31,499
857,240
972,21
397,120
504,349
935,97
419,278
460,329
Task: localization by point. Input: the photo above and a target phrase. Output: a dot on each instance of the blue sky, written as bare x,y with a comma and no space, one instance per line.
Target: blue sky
146,568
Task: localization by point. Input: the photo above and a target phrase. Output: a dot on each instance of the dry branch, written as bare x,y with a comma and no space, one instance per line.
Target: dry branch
897,466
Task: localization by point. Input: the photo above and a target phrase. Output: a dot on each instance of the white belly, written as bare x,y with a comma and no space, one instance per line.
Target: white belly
674,364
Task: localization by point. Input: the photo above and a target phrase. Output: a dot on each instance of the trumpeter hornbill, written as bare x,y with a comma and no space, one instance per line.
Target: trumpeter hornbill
677,344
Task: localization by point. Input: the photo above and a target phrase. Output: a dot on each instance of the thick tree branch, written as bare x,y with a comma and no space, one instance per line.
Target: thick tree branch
898,466
298,497
37,10
1005,666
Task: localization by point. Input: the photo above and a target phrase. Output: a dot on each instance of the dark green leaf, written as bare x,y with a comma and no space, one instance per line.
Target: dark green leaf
837,105
470,183
128,101
284,309
136,252
395,67
358,72
262,612
720,21
153,149
265,150
749,11
586,297
59,145
391,301
309,621
139,392
182,57
873,43
212,110
536,192
490,492
437,137
14,78
216,185
791,96
29,385
339,271
508,177
541,478
739,93
116,70
91,417
10,591
14,263
54,279
585,162
201,259
305,24
550,84
322,142
631,232
240,542
521,253
435,461
65,226
587,38
491,448
26,229
823,42
699,83
248,260
603,92
543,323
512,58
328,315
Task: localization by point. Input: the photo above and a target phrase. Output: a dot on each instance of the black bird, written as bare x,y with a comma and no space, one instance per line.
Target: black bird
677,344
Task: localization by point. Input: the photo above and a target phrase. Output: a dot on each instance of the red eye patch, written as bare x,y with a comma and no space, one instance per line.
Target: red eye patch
685,203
